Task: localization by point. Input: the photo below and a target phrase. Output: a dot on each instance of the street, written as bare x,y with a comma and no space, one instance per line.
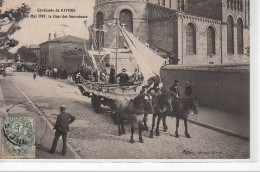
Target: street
95,136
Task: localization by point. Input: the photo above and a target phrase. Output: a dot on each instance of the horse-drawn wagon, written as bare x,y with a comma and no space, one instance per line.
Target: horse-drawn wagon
147,62
107,94
127,99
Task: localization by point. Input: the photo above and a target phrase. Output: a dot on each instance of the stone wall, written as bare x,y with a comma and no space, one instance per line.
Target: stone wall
55,55
207,8
224,88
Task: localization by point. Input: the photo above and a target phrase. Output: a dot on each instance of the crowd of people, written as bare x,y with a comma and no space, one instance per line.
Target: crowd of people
25,68
106,75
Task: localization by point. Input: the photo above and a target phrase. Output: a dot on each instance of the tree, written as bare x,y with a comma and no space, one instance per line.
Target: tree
26,54
9,24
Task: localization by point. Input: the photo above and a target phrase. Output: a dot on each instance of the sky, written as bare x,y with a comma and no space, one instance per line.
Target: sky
36,30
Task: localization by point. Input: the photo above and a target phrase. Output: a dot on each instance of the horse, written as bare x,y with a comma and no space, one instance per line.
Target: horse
126,109
181,108
162,105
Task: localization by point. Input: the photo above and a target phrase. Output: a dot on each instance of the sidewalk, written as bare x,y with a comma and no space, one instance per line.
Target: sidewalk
230,124
44,137
223,122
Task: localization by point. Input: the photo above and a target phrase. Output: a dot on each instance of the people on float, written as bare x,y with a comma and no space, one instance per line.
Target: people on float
123,77
135,76
112,75
107,72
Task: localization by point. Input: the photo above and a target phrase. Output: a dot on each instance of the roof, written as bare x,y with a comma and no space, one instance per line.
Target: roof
66,39
32,46
237,68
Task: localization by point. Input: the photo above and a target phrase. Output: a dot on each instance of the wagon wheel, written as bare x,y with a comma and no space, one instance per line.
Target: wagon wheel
96,103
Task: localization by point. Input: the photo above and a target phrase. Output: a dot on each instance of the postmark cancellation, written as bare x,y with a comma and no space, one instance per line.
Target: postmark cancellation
17,138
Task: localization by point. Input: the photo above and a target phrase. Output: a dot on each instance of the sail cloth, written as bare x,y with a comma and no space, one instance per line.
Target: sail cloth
143,67
149,62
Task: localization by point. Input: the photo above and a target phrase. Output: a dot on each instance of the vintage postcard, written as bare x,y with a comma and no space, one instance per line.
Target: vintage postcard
117,79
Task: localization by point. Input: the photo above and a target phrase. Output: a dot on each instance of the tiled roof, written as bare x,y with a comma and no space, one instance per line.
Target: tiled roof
66,39
240,68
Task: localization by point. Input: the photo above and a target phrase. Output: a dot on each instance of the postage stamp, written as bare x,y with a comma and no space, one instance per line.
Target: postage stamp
17,138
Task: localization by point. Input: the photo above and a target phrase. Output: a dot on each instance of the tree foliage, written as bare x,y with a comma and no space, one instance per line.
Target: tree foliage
9,24
26,54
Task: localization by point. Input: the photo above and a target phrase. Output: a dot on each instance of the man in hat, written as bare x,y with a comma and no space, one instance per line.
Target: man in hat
112,74
123,77
62,128
188,90
175,89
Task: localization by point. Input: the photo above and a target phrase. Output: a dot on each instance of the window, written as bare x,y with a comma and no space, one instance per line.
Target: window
191,39
182,5
99,35
230,35
126,18
65,48
240,44
211,49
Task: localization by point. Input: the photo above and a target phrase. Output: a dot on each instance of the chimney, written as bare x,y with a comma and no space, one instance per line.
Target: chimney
55,35
49,36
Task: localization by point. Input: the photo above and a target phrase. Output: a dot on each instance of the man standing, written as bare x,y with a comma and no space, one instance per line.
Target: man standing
34,76
62,128
188,90
123,77
112,75
175,89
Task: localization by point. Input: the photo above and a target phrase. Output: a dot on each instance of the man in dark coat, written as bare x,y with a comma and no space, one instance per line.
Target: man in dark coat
188,90
34,76
112,75
175,89
123,77
62,128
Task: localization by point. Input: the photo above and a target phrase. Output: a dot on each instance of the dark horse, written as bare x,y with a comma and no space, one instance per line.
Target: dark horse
129,110
181,108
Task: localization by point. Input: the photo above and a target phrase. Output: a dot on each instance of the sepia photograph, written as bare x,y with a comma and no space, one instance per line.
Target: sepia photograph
125,80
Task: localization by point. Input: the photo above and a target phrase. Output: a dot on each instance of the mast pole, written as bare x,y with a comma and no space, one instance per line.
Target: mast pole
99,42
116,48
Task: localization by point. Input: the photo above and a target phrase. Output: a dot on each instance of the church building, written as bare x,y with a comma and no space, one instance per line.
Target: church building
197,32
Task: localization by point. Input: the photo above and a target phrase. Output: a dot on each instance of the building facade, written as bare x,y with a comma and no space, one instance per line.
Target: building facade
63,52
196,31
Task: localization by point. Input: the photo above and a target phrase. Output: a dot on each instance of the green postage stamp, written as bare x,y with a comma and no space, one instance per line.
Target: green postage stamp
17,138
